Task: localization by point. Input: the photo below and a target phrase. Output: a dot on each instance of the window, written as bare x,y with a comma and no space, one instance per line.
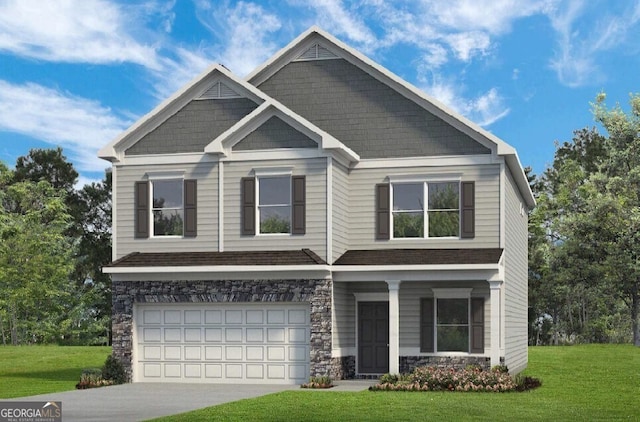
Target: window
452,327
167,207
440,218
274,204
454,324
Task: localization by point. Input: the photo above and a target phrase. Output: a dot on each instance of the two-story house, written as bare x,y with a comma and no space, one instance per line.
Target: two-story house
321,216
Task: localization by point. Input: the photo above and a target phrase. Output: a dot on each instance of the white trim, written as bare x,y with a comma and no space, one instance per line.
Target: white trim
438,161
273,171
114,213
451,293
220,207
503,204
367,275
276,154
420,267
165,175
339,352
180,158
214,269
496,321
371,297
426,178
329,210
394,325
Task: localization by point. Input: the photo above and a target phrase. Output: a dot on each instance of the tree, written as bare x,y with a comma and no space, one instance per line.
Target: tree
35,262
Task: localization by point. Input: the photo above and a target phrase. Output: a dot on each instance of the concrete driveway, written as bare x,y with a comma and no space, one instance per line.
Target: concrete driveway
140,401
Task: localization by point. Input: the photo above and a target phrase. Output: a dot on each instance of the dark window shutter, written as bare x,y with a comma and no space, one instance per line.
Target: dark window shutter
298,196
141,206
248,206
190,208
477,325
382,212
426,325
468,211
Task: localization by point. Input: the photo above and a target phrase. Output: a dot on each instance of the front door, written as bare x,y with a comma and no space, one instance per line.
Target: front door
373,337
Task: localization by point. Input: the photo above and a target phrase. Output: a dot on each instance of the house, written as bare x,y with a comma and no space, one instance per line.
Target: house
321,216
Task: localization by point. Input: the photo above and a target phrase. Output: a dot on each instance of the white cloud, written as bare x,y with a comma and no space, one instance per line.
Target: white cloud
332,16
484,109
79,125
246,34
87,31
468,44
576,60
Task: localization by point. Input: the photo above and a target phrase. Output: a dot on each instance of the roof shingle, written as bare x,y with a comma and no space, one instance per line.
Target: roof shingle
185,259
420,257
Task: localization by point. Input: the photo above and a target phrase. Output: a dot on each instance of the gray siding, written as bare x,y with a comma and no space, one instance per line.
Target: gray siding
274,133
340,210
193,127
207,239
362,216
516,279
410,295
366,115
315,238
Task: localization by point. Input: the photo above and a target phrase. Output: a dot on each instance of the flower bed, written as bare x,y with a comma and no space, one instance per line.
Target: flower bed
428,378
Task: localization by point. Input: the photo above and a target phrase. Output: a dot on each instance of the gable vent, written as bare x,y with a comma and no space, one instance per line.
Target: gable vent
316,52
218,91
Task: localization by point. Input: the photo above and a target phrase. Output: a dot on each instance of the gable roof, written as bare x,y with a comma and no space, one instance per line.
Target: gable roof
316,36
198,87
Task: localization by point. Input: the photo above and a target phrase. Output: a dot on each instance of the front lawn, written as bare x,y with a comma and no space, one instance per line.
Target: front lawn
30,370
589,382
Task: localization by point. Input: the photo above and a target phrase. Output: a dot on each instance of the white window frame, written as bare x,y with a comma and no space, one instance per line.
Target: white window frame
451,294
272,173
425,199
164,177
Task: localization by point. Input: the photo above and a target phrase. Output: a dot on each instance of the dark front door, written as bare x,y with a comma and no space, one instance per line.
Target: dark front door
373,337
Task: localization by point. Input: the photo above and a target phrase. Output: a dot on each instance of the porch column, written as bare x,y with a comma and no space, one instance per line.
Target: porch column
496,289
394,326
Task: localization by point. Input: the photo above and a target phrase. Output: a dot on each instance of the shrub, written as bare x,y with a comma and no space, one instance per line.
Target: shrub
500,368
324,381
114,371
91,378
469,379
524,383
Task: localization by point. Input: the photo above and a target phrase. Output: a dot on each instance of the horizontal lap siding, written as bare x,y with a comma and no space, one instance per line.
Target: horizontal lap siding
316,199
362,213
516,281
340,210
207,207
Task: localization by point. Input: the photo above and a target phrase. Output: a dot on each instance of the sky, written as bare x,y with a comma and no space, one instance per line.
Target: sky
76,73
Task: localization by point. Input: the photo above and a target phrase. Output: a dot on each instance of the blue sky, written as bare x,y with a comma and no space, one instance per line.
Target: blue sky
76,73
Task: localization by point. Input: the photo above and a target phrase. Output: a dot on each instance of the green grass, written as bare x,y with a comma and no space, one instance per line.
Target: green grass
591,382
30,370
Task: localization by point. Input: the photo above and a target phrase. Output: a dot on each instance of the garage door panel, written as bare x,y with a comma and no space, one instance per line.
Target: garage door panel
233,343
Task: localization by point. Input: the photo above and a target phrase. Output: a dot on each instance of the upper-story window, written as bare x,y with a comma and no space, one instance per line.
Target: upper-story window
167,207
439,218
274,204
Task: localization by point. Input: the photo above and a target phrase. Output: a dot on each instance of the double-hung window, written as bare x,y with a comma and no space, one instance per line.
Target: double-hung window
167,207
452,321
415,217
274,204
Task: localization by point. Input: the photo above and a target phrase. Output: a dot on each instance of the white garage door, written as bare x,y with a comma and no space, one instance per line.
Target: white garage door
214,343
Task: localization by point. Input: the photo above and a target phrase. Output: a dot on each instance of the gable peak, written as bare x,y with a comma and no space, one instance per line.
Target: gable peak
316,52
219,90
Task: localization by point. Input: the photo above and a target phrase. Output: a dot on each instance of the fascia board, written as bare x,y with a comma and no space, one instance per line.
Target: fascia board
389,268
216,269
522,183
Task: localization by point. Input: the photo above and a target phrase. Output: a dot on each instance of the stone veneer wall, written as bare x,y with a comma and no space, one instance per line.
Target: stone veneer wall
409,363
343,368
316,292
